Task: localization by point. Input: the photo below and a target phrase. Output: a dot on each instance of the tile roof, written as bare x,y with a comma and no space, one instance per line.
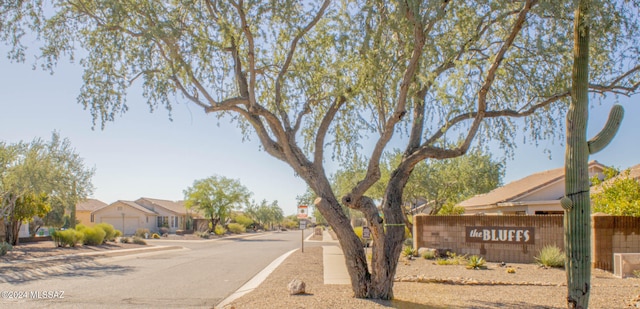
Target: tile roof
90,205
634,173
137,206
520,187
177,206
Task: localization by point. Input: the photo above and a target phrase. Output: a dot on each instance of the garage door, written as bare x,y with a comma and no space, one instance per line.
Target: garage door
130,224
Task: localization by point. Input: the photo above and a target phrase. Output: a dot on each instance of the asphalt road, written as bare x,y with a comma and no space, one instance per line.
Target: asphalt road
199,276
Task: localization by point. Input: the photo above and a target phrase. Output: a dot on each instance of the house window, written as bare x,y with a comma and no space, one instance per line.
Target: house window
119,208
175,221
163,221
172,222
92,218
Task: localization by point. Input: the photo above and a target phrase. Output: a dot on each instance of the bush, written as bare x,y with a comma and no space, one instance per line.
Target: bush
409,252
110,232
117,233
164,231
243,220
204,235
155,236
429,254
124,240
67,238
408,242
219,230
93,236
5,247
236,228
476,262
550,256
80,227
452,259
138,241
140,232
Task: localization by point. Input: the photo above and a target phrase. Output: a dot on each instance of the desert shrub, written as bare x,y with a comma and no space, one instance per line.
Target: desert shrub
202,234
429,254
117,233
141,231
138,241
65,238
476,262
408,242
511,270
164,230
636,273
236,228
80,227
109,231
155,236
5,247
125,240
409,252
243,220
550,256
219,230
93,236
452,259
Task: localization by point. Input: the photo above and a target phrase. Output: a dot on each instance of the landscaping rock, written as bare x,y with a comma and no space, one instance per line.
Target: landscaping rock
296,286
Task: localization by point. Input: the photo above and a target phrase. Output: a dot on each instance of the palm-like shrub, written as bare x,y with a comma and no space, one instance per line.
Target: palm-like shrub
5,247
476,262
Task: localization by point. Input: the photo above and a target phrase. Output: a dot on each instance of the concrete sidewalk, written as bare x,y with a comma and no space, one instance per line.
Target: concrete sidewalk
335,269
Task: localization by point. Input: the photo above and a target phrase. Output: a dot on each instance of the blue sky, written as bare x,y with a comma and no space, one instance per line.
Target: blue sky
144,154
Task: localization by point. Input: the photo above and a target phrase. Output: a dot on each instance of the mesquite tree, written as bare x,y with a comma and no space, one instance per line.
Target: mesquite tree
318,79
576,202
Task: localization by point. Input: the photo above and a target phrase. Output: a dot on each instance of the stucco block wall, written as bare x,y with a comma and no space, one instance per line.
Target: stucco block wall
450,232
613,234
85,218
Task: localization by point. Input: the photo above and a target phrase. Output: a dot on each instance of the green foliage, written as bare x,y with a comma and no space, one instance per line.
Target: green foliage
117,234
429,254
216,197
109,230
155,236
140,232
204,235
243,220
551,256
409,252
618,195
5,247
93,236
80,227
219,230
68,237
636,273
265,214
452,259
138,241
236,228
476,262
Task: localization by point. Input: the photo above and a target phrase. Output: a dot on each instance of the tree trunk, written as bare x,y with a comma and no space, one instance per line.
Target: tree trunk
577,219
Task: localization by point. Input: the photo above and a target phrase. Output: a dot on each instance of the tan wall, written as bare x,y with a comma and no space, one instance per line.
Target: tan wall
84,217
613,234
450,232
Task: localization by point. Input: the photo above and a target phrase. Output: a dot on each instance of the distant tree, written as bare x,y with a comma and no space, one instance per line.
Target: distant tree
216,197
31,171
266,214
617,195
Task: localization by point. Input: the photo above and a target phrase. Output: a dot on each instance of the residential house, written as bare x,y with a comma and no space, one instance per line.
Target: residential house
85,208
170,214
536,194
126,216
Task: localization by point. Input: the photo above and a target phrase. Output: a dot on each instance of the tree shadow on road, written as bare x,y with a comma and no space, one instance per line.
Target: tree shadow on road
74,267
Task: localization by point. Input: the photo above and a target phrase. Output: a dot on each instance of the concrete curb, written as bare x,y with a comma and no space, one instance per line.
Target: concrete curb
254,282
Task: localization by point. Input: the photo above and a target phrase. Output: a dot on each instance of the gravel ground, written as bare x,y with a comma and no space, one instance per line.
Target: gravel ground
529,287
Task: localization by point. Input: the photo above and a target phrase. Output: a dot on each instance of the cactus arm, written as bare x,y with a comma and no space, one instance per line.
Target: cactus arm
610,129
566,203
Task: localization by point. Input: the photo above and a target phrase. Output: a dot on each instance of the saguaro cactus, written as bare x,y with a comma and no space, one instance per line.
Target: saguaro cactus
576,202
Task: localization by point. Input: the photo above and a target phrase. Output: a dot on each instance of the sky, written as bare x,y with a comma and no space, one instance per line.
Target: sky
144,154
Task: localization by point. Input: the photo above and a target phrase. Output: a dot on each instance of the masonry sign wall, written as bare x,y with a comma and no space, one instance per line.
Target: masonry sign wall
508,235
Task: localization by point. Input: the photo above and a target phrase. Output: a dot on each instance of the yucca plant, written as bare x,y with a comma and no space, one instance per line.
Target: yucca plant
550,256
408,252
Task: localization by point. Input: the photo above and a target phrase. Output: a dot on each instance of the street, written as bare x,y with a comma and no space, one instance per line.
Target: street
201,275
